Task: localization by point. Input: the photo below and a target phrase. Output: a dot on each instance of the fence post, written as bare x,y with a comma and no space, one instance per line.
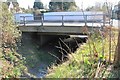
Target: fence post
62,20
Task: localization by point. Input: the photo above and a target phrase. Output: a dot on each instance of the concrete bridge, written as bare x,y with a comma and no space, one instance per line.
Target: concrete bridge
57,23
62,23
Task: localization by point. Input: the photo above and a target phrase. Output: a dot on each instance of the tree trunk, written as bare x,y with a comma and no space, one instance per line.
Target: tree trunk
117,53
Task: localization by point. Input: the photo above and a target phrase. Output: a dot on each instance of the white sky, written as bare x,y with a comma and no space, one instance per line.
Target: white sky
86,3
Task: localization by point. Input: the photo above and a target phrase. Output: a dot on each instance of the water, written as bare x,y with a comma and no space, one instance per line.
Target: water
38,59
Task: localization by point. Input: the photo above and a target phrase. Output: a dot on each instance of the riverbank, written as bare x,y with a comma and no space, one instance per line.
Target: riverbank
38,59
91,60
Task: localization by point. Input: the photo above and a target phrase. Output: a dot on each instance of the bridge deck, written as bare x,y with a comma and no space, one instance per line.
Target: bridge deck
57,30
60,26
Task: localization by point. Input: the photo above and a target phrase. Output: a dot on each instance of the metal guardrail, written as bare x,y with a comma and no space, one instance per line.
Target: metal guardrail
41,19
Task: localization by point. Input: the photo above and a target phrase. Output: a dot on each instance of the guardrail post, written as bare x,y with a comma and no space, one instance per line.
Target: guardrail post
42,19
62,20
24,20
85,20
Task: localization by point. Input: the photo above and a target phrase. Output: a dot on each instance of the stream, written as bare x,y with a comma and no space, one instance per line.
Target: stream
39,59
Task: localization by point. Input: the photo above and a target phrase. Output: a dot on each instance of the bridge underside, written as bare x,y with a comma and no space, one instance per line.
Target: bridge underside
51,30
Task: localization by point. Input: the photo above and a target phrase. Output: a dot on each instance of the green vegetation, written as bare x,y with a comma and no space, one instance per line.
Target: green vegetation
15,3
91,60
38,5
62,6
94,59
11,61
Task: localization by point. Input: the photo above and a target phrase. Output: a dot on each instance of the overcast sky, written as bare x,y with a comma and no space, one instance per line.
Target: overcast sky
86,3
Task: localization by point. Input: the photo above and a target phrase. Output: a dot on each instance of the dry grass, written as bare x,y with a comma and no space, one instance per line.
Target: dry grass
85,61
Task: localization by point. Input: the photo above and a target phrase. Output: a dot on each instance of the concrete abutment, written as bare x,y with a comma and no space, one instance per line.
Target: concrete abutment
41,39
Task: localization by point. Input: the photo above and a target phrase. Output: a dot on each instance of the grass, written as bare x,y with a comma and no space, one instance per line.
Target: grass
84,62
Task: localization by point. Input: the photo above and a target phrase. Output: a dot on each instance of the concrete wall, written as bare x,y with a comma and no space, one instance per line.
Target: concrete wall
40,39
45,39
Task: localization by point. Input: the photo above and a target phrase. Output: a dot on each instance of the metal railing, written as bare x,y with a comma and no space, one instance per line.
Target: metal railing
98,18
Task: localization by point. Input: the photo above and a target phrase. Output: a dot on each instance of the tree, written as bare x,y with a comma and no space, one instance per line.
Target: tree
8,26
10,36
90,8
62,6
117,54
100,7
38,4
15,3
